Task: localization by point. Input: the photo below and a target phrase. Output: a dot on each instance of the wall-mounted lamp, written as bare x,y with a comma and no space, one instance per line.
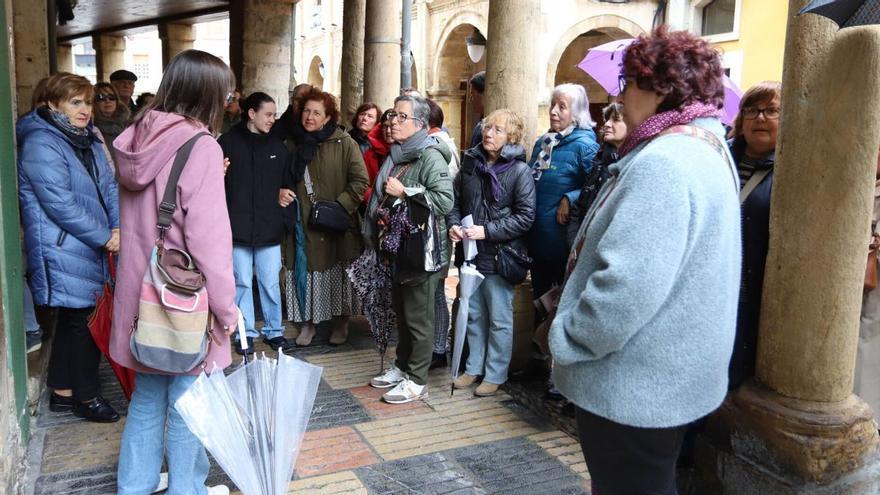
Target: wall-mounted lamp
476,45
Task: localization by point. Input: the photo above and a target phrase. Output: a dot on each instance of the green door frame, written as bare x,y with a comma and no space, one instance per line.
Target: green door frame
11,274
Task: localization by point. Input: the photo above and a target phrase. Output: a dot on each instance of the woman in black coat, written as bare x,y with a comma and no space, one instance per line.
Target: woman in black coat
494,185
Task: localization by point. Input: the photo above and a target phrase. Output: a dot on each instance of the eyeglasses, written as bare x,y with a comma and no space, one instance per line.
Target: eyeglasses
401,117
770,113
230,98
105,97
494,130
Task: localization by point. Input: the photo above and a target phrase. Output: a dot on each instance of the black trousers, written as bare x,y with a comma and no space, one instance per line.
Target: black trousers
626,460
75,357
546,274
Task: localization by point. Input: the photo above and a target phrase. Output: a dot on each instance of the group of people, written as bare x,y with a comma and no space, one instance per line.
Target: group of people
654,241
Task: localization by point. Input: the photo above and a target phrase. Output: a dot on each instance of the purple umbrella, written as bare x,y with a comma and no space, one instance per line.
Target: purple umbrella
604,63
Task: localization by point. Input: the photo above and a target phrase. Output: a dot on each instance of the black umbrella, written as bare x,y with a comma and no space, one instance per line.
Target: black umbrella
846,13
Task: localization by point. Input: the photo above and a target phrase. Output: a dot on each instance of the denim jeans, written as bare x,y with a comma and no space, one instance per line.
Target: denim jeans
30,316
267,261
490,330
145,440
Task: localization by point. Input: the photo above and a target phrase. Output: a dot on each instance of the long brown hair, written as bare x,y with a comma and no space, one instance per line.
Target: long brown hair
195,85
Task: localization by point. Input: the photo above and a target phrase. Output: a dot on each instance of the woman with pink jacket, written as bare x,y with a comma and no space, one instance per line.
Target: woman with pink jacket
190,100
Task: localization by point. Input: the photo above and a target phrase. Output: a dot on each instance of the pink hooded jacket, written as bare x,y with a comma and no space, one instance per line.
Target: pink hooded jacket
144,154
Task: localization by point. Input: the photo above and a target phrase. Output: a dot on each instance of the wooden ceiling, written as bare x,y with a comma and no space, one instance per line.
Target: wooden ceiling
102,16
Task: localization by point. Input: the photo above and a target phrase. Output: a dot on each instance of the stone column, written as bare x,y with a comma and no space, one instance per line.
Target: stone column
352,88
30,29
382,52
511,50
65,57
109,55
260,55
175,39
797,428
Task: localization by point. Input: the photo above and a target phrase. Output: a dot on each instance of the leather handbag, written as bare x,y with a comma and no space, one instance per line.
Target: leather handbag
512,265
871,267
326,216
171,332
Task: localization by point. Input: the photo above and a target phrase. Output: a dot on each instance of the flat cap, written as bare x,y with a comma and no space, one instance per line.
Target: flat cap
123,75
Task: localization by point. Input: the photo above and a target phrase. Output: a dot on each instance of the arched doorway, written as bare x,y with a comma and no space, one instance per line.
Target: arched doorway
316,73
453,70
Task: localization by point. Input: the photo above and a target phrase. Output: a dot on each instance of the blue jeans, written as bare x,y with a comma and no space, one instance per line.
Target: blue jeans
490,330
267,261
30,317
145,440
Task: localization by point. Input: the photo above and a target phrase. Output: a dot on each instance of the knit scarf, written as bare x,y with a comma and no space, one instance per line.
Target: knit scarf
658,123
548,142
494,170
306,146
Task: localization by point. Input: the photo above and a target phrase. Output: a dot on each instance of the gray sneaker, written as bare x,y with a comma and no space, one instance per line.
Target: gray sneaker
34,340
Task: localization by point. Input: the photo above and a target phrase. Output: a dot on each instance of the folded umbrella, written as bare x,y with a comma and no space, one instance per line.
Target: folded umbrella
370,276
469,279
604,63
100,322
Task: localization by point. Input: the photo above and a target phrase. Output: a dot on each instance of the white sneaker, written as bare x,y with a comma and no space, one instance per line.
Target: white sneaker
406,391
163,483
389,378
218,490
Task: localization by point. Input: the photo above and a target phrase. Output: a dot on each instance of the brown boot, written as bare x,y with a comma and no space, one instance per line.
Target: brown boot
486,389
306,334
464,381
339,334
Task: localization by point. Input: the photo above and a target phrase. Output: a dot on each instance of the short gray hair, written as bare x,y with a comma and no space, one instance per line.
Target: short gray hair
580,104
420,109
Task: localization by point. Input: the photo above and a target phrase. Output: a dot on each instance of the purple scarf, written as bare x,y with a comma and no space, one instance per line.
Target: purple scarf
662,121
493,172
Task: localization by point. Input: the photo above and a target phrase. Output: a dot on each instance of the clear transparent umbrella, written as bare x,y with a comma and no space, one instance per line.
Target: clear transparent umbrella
253,420
469,279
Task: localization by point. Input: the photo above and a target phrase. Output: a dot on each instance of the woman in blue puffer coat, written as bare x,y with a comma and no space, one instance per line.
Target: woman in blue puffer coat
561,160
70,215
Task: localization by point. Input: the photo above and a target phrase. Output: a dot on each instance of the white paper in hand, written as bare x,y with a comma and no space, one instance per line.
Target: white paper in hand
242,332
469,245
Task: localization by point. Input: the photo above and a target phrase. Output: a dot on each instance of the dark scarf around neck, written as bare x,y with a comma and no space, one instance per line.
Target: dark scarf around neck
80,137
307,144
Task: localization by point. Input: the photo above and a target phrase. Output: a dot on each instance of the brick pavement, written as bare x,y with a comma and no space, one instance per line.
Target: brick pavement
356,444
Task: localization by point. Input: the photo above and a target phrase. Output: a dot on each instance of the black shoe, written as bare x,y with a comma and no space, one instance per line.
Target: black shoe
438,360
97,410
58,403
279,343
250,349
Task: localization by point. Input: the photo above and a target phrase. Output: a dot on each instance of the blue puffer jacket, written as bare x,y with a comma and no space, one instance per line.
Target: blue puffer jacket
65,224
570,163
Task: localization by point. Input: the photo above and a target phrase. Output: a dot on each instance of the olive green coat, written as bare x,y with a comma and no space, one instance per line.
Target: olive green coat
338,174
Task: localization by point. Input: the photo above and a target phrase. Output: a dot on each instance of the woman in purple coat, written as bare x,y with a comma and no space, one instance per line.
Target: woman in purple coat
190,100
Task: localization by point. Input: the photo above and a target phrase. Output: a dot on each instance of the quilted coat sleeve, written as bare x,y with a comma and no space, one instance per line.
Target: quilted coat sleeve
47,167
109,189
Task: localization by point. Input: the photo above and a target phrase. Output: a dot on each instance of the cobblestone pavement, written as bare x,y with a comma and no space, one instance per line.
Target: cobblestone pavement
355,443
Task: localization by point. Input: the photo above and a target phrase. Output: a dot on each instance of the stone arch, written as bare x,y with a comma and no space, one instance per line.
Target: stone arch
471,18
314,76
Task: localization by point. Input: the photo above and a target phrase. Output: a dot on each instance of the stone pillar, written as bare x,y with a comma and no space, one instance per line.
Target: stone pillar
382,52
30,29
352,88
109,55
260,43
175,39
65,57
797,428
511,50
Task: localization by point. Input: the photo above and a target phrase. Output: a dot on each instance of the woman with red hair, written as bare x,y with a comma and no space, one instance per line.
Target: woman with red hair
647,317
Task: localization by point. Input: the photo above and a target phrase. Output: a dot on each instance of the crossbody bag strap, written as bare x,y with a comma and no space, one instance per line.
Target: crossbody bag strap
310,187
403,169
709,138
752,183
169,199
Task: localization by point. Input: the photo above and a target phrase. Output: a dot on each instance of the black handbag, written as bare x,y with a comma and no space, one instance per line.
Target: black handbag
511,264
326,216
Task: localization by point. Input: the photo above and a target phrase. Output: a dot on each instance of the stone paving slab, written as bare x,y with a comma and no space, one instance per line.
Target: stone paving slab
355,443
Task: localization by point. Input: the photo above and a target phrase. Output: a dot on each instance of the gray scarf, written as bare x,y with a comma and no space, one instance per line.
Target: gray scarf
400,154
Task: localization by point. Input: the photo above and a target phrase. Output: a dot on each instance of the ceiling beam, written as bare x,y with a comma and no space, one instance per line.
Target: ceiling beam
147,22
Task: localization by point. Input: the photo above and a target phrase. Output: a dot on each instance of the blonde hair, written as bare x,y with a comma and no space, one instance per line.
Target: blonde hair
509,121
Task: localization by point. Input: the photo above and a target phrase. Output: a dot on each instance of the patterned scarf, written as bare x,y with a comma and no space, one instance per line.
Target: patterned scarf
662,121
548,142
81,137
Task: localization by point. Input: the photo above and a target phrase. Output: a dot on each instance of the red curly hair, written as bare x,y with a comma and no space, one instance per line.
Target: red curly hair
327,99
682,67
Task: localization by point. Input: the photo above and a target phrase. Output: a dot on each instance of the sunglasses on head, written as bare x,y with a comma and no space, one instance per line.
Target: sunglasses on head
105,97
